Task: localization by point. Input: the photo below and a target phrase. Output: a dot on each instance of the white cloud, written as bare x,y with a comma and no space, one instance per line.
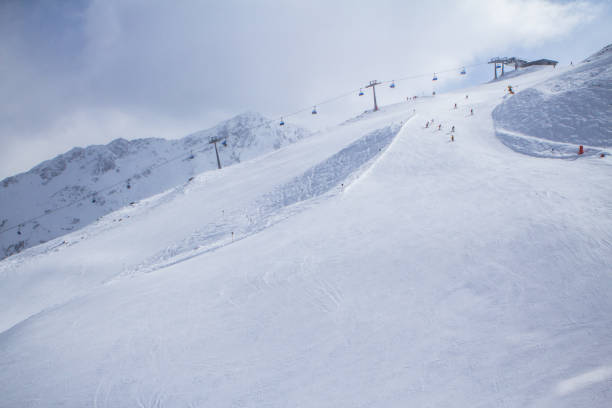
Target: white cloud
527,21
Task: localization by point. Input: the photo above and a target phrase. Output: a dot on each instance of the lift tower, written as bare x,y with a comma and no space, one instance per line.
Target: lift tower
373,86
215,140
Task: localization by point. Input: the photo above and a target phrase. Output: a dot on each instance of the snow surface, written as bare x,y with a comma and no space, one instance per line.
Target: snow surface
573,107
376,264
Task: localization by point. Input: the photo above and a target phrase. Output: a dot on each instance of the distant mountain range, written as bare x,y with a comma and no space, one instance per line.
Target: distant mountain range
75,188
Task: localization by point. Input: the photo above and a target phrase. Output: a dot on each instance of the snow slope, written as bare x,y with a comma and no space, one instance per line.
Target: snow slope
552,118
103,179
377,264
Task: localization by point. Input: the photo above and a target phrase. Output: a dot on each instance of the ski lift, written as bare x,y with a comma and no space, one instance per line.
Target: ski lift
314,110
392,84
360,92
435,77
463,71
282,122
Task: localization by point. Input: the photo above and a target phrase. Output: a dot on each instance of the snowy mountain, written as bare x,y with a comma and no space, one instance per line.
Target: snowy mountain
381,263
101,179
573,108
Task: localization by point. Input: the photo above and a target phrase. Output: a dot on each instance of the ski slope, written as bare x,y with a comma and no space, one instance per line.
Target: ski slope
556,115
376,264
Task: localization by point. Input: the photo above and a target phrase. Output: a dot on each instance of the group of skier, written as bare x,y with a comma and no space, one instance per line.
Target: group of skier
452,131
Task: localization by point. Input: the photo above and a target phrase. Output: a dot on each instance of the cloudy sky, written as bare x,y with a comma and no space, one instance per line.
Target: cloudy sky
86,72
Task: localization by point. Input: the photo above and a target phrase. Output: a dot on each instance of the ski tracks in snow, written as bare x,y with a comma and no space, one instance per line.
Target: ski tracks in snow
322,181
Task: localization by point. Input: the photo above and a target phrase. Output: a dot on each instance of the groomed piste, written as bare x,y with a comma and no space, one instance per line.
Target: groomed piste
380,263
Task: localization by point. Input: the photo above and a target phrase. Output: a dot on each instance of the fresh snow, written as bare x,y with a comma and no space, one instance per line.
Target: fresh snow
374,264
573,107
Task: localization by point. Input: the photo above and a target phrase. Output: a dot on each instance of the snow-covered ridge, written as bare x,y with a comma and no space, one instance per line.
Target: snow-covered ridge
103,178
604,52
572,107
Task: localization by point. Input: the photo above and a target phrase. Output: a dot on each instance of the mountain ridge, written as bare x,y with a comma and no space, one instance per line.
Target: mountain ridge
120,172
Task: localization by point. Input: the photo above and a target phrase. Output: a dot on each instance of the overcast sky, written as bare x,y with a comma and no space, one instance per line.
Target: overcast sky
75,73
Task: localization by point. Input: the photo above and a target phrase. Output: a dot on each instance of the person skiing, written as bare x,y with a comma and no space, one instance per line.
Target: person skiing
440,126
510,90
453,129
455,106
472,111
452,137
427,125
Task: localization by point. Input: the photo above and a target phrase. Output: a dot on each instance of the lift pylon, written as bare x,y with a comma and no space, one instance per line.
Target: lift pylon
373,86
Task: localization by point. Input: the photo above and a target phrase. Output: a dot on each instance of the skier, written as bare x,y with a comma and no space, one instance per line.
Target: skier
455,106
427,125
510,90
440,126
452,137
466,96
453,129
472,112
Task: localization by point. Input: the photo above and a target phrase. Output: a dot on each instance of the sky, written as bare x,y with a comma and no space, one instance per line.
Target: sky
89,71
